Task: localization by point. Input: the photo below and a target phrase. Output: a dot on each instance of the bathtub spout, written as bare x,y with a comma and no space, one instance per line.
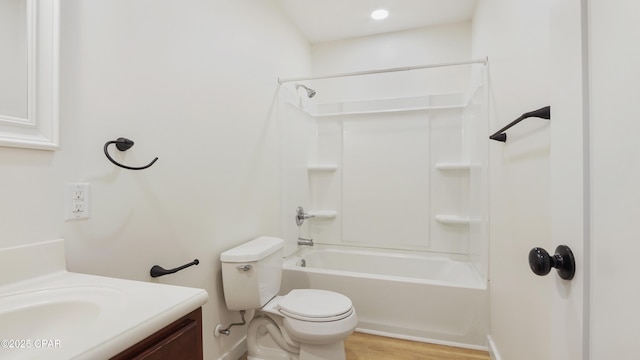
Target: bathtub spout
303,241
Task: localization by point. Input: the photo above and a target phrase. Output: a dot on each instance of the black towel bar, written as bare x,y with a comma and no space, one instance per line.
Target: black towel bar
543,113
158,270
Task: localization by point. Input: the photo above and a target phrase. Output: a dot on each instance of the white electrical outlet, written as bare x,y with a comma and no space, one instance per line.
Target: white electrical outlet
76,201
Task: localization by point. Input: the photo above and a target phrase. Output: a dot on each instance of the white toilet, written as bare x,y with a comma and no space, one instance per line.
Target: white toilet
305,324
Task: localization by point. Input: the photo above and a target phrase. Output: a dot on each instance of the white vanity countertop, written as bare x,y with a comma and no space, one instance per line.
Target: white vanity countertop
49,313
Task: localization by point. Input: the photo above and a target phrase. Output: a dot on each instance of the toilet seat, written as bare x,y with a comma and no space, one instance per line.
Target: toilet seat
315,305
300,316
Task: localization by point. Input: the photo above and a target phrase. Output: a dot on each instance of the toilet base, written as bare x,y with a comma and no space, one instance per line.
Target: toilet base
308,352
265,341
333,351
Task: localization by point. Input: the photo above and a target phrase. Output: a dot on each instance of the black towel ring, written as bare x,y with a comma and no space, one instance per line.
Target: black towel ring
124,144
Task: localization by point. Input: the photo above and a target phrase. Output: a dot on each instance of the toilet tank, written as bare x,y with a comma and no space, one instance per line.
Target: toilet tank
251,273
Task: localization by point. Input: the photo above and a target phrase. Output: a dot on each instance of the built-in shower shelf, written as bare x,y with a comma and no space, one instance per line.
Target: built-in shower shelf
378,111
453,219
453,166
383,105
323,214
322,167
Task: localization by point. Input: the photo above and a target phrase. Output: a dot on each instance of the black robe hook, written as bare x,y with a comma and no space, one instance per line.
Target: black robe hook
124,144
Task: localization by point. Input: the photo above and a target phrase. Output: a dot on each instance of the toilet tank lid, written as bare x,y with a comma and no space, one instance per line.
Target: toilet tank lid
253,250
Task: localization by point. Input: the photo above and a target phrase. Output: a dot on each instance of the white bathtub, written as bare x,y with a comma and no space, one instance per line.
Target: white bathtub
432,298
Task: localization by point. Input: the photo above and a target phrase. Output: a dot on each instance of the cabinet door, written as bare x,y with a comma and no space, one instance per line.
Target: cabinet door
181,340
179,345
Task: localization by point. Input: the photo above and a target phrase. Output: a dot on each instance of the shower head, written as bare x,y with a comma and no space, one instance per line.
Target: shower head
310,92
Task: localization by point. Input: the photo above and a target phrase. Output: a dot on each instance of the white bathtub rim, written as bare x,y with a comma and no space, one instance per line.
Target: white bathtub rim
401,253
479,282
481,285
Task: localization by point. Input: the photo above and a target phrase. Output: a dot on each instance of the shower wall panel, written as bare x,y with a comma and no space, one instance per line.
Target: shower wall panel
325,182
449,187
474,122
297,142
385,179
388,179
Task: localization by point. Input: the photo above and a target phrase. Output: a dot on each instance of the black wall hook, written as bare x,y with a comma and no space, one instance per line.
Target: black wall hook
124,144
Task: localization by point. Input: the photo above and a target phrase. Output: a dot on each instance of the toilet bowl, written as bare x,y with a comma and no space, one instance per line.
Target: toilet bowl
305,324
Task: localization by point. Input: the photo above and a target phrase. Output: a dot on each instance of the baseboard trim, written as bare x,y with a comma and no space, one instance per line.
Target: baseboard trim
493,349
422,339
236,351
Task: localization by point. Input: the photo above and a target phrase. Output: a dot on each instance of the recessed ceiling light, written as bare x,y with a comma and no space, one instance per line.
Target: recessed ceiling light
379,14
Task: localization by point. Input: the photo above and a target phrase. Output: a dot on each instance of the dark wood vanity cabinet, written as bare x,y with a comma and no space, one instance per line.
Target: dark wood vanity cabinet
180,340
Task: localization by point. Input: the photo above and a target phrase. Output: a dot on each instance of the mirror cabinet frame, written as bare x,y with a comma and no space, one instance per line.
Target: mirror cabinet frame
40,129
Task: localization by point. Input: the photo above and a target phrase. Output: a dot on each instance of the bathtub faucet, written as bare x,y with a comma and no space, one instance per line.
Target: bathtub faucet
303,241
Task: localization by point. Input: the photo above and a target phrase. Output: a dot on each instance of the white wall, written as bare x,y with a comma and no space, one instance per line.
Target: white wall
614,56
192,82
515,37
428,45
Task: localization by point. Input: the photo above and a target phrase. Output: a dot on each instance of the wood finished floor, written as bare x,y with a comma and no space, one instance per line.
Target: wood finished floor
361,346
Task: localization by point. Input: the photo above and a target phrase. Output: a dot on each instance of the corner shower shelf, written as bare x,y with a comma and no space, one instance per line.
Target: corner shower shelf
322,167
340,111
385,105
440,101
457,166
453,219
323,214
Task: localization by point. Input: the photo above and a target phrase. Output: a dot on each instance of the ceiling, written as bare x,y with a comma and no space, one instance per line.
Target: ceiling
330,20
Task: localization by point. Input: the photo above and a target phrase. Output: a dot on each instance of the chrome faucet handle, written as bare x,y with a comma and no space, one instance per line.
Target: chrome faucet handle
301,216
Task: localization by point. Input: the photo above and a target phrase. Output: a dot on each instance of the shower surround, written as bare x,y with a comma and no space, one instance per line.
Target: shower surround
389,168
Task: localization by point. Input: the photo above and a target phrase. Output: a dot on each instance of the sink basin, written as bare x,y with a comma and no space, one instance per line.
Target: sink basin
52,313
48,313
